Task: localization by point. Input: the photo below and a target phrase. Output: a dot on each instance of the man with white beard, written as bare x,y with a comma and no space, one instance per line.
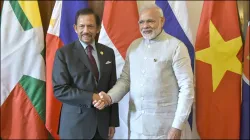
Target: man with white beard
158,74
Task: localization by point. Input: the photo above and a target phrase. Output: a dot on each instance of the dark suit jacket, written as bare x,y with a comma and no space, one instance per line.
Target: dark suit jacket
74,85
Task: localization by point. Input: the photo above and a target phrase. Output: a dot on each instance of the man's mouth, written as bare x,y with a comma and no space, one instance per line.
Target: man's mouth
147,31
86,35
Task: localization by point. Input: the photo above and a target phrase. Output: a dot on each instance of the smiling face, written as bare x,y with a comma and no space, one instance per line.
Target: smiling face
86,28
150,23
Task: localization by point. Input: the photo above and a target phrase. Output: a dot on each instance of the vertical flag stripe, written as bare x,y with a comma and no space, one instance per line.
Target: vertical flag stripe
53,106
55,20
180,11
245,113
116,17
67,32
53,42
245,79
35,89
246,59
33,14
173,27
20,15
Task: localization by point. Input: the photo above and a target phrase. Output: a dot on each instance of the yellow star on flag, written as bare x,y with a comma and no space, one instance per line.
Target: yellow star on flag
222,55
52,22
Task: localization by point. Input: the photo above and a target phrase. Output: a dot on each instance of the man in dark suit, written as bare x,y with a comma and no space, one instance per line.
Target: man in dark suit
81,70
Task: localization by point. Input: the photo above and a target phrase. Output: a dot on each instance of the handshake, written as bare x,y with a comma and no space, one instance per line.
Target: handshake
101,100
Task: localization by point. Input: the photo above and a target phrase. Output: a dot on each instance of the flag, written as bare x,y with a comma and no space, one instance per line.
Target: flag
177,24
120,28
60,32
218,71
22,72
245,106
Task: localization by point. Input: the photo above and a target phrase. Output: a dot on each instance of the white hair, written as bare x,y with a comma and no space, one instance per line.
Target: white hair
151,6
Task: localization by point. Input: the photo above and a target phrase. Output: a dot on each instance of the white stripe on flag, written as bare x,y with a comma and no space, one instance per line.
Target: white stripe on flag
180,11
54,27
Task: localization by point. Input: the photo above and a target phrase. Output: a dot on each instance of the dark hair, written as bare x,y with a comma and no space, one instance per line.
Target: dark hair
88,11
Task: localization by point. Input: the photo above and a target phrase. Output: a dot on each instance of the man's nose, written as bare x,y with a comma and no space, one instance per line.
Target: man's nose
145,25
85,29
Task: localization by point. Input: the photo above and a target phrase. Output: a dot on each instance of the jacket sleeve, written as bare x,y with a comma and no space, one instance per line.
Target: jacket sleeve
63,90
114,111
184,75
122,86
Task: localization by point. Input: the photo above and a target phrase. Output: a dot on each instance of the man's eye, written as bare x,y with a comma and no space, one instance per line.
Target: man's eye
150,21
147,21
141,22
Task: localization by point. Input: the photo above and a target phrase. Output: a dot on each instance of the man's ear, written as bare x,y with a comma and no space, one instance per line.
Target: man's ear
99,29
75,28
162,21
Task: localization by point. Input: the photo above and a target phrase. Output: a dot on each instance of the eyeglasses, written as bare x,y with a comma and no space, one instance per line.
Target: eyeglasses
149,21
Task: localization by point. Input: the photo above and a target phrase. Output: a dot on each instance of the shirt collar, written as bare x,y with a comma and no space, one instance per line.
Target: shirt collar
84,45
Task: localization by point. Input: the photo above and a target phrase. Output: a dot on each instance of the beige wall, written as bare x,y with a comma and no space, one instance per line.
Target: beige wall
194,12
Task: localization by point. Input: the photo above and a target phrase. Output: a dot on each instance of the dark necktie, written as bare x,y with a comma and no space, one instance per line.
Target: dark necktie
93,62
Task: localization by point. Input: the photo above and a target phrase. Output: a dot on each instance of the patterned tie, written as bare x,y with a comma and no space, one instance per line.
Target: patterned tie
93,62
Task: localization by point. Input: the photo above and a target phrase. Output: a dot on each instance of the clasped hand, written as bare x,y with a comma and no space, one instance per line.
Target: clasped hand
101,100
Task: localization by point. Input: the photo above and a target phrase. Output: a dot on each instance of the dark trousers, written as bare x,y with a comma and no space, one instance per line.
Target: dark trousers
97,136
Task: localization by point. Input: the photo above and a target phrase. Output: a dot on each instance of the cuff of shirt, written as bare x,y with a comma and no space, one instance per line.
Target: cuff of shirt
178,124
112,98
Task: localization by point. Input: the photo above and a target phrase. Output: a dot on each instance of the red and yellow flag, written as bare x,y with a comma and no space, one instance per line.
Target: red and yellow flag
218,71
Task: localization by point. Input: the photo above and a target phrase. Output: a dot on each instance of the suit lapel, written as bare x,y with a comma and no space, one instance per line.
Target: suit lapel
81,54
100,54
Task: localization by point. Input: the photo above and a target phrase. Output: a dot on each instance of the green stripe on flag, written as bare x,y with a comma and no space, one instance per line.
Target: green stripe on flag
23,20
35,89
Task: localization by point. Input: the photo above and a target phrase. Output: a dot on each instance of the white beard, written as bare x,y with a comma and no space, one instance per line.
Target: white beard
152,35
